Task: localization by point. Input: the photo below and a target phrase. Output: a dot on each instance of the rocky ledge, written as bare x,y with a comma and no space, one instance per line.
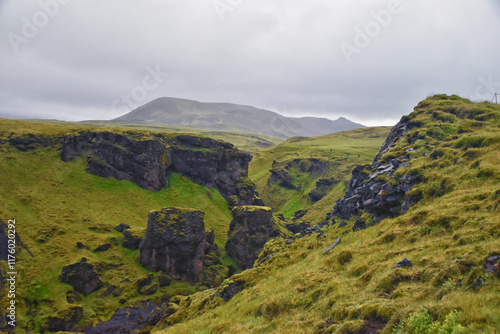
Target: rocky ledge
250,229
174,243
146,160
375,189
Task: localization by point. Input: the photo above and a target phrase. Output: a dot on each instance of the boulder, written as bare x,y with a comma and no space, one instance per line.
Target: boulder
250,229
102,248
164,280
134,319
121,227
146,286
132,238
228,291
66,319
82,277
492,265
174,243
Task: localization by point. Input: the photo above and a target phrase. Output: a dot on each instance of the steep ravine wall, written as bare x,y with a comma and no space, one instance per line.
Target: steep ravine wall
146,161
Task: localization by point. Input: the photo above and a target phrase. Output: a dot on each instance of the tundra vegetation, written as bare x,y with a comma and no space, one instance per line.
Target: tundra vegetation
446,226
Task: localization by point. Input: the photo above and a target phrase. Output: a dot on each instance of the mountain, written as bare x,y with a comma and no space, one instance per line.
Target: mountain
232,117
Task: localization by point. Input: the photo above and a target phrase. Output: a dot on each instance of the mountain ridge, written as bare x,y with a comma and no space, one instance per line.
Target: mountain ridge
233,117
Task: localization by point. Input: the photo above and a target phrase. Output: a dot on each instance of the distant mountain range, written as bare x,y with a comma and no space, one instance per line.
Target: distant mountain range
232,117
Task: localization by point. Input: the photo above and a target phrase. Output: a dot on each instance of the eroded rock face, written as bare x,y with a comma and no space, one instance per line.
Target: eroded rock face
250,229
369,189
147,160
143,162
174,243
82,277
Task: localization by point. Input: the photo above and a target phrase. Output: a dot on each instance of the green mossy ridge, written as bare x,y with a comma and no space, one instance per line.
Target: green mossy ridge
447,236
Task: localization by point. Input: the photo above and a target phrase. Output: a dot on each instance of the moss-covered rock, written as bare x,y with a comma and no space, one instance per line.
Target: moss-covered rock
174,243
82,277
250,229
66,319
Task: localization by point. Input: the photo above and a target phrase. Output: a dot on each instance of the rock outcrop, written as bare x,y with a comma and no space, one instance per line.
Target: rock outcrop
82,277
146,160
66,319
375,189
250,229
133,319
174,243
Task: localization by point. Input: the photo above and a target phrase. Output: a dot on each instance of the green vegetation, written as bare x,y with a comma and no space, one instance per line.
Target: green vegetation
453,225
355,287
307,160
58,204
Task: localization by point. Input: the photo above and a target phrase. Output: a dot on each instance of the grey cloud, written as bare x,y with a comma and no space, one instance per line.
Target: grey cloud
283,55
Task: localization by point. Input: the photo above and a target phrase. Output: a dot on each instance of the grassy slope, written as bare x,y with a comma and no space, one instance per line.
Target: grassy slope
361,144
58,204
447,236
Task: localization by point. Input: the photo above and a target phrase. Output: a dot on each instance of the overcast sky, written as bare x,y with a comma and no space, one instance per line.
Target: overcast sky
368,60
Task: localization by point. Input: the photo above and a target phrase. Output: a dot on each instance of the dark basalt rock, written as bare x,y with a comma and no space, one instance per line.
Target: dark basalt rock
375,195
147,161
102,248
299,214
403,263
492,265
138,318
358,225
29,142
250,229
228,291
132,238
66,319
145,286
121,227
164,280
80,245
297,228
174,243
82,277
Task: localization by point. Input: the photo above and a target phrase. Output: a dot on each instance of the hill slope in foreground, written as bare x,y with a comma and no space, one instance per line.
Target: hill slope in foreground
451,228
233,118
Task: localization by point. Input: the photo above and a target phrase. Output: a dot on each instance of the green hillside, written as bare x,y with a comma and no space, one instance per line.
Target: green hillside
357,287
304,161
449,145
57,204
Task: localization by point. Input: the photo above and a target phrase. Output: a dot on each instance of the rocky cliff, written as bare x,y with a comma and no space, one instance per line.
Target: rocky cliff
146,161
250,229
377,189
174,243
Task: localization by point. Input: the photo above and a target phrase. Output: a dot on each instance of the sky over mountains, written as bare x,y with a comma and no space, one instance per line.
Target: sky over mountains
368,60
